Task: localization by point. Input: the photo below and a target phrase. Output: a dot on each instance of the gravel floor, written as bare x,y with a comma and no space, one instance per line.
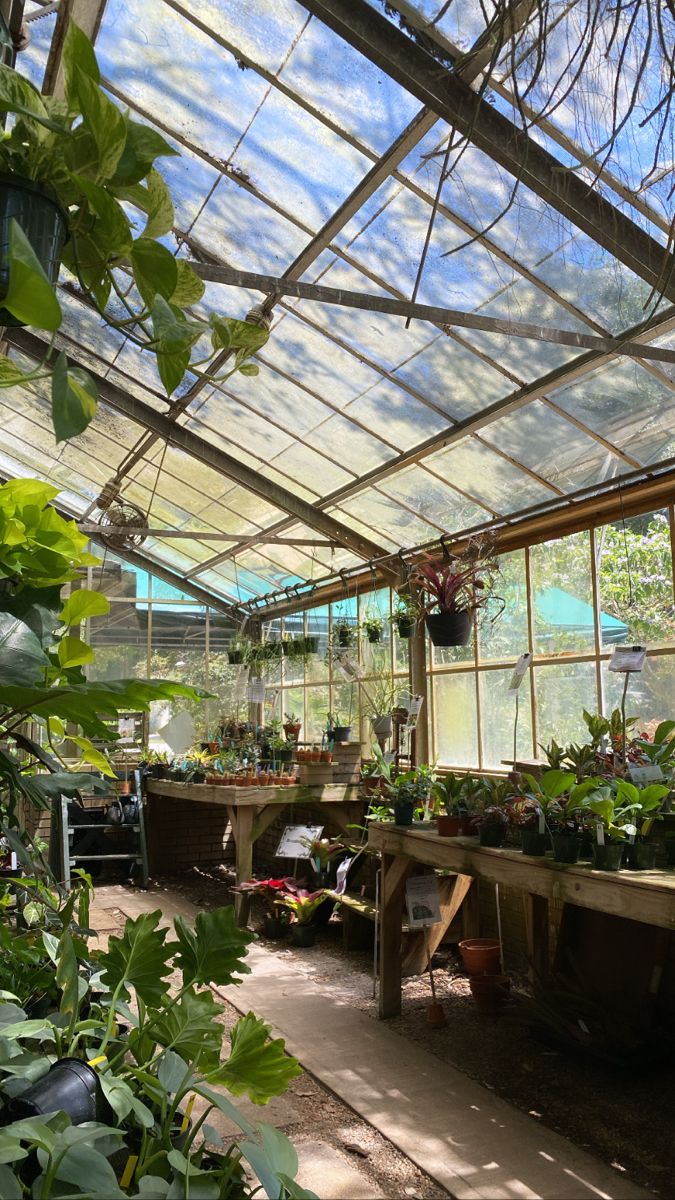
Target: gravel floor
622,1117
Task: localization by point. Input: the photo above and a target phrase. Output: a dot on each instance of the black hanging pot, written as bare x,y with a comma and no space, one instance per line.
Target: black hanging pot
374,636
70,1086
235,657
405,626
344,636
312,643
449,628
44,224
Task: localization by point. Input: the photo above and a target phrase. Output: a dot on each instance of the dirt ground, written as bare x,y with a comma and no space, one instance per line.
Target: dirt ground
621,1116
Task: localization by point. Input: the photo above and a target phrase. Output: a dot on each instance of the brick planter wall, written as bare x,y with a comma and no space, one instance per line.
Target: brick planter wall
186,833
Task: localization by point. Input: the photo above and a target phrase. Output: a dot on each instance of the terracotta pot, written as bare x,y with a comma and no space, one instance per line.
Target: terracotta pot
480,956
490,992
325,756
314,756
287,781
450,826
292,731
436,1016
301,756
124,787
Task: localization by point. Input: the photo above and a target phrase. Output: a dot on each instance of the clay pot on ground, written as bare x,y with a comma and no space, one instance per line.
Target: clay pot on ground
436,1016
481,956
490,993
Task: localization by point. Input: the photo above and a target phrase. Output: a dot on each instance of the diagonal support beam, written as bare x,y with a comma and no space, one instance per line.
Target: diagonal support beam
428,312
445,93
212,456
88,14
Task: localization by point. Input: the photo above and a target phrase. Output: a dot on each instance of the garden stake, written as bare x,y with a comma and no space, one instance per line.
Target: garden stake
499,928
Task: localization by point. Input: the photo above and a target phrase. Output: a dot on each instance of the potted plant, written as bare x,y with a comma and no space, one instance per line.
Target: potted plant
373,625
72,169
378,700
623,811
558,800
343,633
492,824
292,726
527,818
405,615
451,792
336,729
236,652
303,906
456,590
275,919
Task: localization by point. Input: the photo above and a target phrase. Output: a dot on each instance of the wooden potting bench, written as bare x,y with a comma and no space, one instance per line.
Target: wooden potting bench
644,896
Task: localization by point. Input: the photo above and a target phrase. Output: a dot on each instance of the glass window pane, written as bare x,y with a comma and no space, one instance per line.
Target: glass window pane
502,629
635,574
563,691
315,713
455,720
651,694
178,651
498,719
120,642
563,596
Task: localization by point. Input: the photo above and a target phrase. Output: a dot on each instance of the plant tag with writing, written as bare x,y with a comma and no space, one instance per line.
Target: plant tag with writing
422,900
296,840
519,670
600,834
628,658
652,773
341,875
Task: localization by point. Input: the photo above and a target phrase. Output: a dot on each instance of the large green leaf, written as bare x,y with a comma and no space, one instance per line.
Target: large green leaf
155,270
154,199
172,368
112,231
231,334
22,659
139,959
85,703
74,399
143,145
190,1029
10,373
36,607
215,951
93,756
30,296
73,652
189,288
83,603
10,1187
78,55
104,121
554,783
257,1066
18,95
123,1100
67,978
275,1162
174,336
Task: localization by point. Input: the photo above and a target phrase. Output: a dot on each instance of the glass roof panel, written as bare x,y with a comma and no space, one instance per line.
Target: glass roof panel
34,60
452,377
546,443
389,518
431,498
491,479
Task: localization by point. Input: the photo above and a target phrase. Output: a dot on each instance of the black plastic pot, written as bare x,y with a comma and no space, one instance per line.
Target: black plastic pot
403,812
69,1086
235,657
449,628
345,636
491,835
274,928
566,847
43,222
303,934
608,857
340,733
374,635
276,756
405,626
312,644
533,842
641,856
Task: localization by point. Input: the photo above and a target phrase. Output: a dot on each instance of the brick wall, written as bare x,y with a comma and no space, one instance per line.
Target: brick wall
185,833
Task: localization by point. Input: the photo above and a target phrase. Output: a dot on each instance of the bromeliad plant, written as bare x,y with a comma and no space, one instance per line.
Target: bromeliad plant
302,904
93,168
142,1137
454,591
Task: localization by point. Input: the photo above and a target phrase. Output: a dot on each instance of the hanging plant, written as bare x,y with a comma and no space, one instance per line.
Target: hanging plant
373,627
69,166
454,591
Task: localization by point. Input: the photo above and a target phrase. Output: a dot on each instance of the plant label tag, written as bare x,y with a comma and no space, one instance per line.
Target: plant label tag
255,692
628,658
652,773
519,671
341,875
600,834
542,823
414,710
296,840
422,901
272,696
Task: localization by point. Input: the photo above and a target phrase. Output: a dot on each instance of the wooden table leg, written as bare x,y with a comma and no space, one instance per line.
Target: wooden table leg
394,874
242,827
537,929
471,912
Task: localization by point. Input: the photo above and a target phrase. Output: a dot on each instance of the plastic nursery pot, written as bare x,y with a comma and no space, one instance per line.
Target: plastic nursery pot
42,221
449,628
436,1016
344,636
490,993
405,627
450,826
341,733
491,835
303,934
403,812
641,856
608,857
374,636
69,1086
235,657
566,848
481,956
312,644
382,726
274,928
533,842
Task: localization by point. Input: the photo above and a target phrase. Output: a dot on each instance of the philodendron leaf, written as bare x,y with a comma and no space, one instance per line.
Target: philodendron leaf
10,374
74,399
214,952
274,1161
81,604
230,334
92,756
123,1100
257,1066
173,1071
78,54
155,270
104,121
73,652
30,296
67,978
190,1029
142,147
189,288
10,1187
22,659
139,959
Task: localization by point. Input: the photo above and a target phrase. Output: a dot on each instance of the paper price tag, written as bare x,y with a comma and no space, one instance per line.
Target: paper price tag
519,671
422,901
296,839
647,774
414,710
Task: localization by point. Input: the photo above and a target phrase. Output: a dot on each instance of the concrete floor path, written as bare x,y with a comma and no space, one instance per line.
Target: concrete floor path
466,1138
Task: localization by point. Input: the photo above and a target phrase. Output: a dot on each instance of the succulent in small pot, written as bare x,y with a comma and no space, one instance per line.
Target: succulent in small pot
292,726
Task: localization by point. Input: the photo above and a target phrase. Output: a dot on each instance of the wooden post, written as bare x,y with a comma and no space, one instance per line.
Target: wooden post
471,912
419,687
537,929
242,827
394,874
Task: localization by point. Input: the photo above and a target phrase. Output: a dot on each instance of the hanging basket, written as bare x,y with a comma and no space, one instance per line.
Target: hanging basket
312,643
44,224
405,626
235,657
449,628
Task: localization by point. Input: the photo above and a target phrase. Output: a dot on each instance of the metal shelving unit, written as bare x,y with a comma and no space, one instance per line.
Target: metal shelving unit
136,854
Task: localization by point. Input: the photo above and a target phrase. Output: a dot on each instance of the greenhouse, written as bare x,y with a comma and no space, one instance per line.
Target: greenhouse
337,599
